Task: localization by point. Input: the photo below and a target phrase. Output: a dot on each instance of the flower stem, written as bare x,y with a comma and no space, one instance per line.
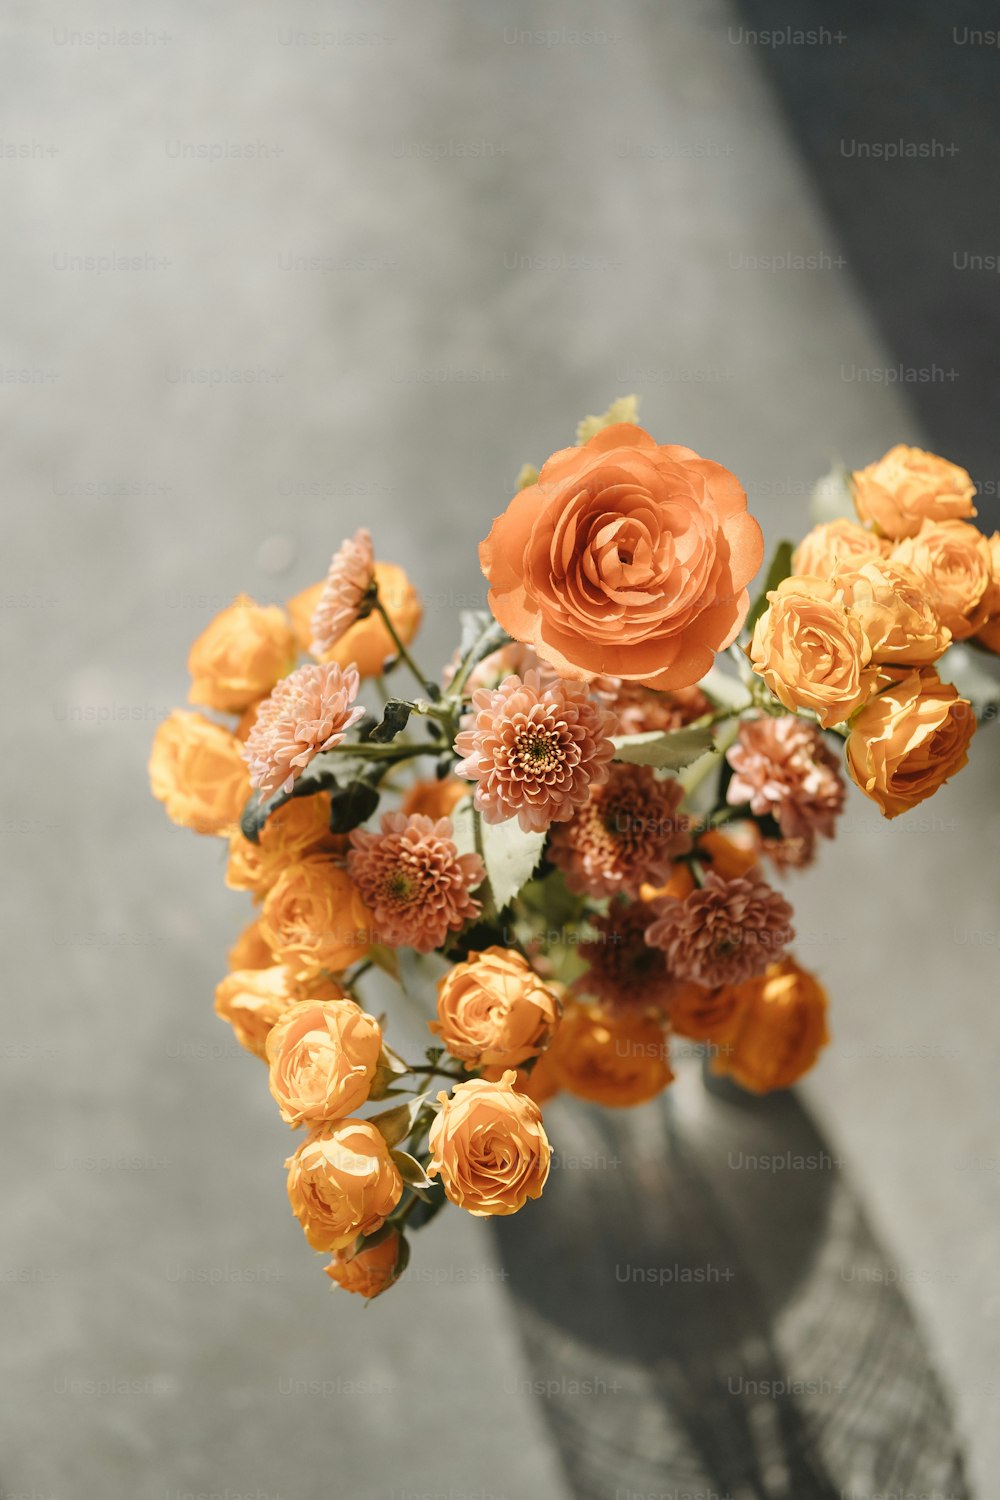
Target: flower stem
401,650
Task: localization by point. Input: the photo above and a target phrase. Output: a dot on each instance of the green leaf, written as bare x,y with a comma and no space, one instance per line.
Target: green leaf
386,959
395,717
411,1171
781,567
481,636
669,750
511,857
390,1067
463,826
350,805
395,1124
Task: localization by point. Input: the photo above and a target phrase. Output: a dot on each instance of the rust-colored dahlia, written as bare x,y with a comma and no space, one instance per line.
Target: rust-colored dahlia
352,569
642,709
782,768
629,832
724,931
414,879
625,972
308,711
535,751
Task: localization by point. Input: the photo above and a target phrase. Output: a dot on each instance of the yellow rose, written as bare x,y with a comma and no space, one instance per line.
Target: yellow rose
369,1266
830,549
489,1147
493,1010
298,827
197,772
322,1056
250,950
434,799
956,561
909,740
367,643
908,487
617,1061
811,650
254,1000
780,1030
240,655
313,918
896,609
342,1182
988,635
707,1015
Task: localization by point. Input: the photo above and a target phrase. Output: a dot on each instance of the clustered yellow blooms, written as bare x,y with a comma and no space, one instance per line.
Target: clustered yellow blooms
852,636
848,642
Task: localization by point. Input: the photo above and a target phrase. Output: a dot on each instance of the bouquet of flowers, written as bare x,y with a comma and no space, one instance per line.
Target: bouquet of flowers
568,830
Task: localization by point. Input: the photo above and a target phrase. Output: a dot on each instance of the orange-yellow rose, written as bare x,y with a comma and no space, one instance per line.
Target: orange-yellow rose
322,1056
625,558
988,635
493,1010
342,1182
811,650
313,918
615,1061
836,546
250,950
240,655
254,1000
298,827
707,1015
434,799
909,740
367,643
956,561
908,487
780,1029
370,1266
197,772
897,613
489,1147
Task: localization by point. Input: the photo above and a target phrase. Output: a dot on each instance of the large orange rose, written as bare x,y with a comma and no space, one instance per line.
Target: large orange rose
366,643
253,1000
489,1147
957,563
616,1061
625,558
907,487
314,919
240,655
342,1182
197,772
780,1029
909,740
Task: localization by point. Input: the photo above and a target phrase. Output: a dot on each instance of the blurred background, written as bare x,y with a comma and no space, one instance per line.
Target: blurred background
273,271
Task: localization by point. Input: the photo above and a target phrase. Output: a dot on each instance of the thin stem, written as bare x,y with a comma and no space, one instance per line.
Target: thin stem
401,650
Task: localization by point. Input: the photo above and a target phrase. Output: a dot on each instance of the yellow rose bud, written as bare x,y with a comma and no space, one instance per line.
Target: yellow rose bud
240,655
197,772
811,650
250,950
908,487
367,643
489,1148
617,1061
494,1010
836,546
342,1182
780,1030
253,1000
896,609
313,918
369,1267
956,562
298,827
322,1056
909,740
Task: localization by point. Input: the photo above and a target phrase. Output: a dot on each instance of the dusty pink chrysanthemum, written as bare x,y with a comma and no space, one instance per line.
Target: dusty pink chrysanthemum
723,932
535,750
630,831
414,879
782,768
352,568
641,709
308,711
625,972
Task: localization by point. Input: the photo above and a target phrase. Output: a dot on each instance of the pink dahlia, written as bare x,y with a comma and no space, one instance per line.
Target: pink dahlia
782,768
352,569
535,751
308,711
723,932
641,709
414,879
629,832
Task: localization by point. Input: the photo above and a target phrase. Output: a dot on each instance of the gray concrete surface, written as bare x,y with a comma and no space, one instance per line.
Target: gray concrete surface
399,266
